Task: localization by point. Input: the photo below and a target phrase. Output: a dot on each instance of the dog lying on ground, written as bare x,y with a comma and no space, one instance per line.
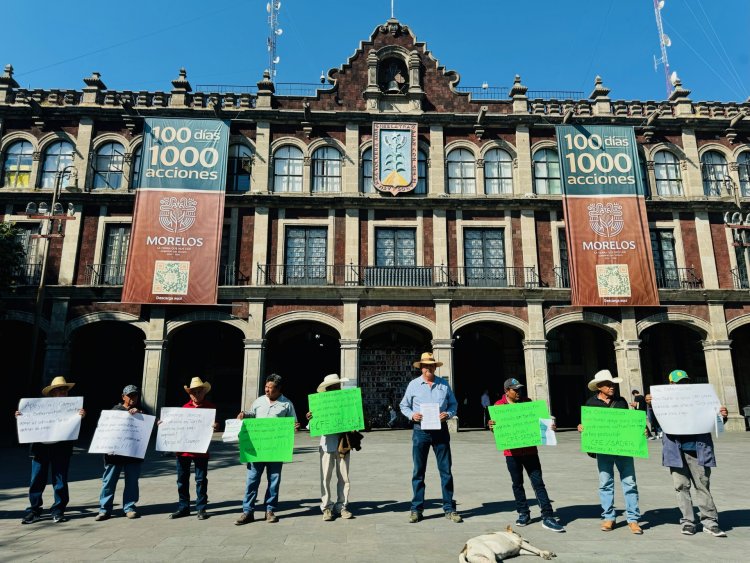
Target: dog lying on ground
491,548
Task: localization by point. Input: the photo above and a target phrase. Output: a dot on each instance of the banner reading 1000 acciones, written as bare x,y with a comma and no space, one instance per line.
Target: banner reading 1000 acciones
175,240
605,218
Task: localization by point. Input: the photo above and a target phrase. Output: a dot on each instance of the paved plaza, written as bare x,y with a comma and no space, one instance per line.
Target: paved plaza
381,490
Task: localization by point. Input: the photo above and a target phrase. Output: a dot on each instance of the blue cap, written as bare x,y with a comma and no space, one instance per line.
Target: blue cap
130,389
512,383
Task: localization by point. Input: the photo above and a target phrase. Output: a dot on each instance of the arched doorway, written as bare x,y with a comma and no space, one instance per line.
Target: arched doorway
669,346
484,356
302,353
575,352
387,353
741,364
213,351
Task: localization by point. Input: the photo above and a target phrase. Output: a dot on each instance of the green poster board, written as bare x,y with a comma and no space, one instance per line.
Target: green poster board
517,424
266,439
614,431
336,411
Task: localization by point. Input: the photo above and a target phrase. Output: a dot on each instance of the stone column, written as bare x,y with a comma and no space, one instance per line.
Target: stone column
260,244
528,240
252,370
717,351
706,250
535,353
261,171
350,362
437,161
523,181
83,148
351,242
350,171
627,354
71,243
155,361
439,239
443,352
691,168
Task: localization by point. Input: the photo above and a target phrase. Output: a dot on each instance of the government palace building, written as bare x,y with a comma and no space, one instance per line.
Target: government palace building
320,272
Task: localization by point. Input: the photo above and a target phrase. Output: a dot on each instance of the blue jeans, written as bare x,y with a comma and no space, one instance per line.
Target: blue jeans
58,462
516,465
440,442
626,467
254,473
201,482
109,484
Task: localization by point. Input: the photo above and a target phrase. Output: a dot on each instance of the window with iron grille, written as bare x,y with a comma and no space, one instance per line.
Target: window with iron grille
108,166
17,165
484,257
743,168
395,247
116,242
498,172
461,172
667,174
326,170
665,259
57,156
31,269
287,169
238,168
714,170
547,172
305,255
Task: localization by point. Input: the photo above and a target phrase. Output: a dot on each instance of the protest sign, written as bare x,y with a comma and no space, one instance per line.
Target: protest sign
122,433
336,411
614,431
430,416
49,419
685,409
517,424
185,430
232,429
267,439
549,438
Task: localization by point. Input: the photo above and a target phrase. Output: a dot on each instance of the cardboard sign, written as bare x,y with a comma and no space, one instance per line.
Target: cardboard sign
685,409
49,419
122,433
185,430
614,432
336,411
267,439
517,424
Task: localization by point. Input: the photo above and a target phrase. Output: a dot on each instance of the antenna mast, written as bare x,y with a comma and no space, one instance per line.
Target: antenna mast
664,42
274,31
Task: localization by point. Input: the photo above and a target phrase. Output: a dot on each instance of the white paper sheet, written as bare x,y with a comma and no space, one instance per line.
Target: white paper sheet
549,438
685,409
185,430
122,433
232,429
430,416
49,419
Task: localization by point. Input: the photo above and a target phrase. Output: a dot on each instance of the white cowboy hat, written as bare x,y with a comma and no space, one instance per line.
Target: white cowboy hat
197,382
427,358
329,380
56,383
600,376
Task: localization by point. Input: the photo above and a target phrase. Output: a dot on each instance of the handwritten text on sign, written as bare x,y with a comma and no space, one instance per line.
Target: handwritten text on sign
267,439
685,409
336,411
122,433
517,424
49,419
185,430
614,431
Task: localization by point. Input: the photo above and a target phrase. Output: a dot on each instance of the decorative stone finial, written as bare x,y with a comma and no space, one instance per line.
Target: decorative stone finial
599,91
679,93
181,82
266,84
95,81
7,79
518,90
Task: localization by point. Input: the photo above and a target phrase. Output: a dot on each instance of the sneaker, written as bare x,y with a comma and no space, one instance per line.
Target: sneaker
608,525
454,517
271,518
714,530
523,519
132,515
346,514
102,516
245,518
30,517
327,515
552,525
688,528
180,513
414,517
635,528
202,515
57,518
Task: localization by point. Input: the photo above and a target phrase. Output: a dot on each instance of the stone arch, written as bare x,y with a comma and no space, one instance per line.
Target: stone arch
101,316
492,317
202,316
738,151
665,146
327,142
715,147
11,138
24,317
737,322
305,316
613,327
498,144
685,319
278,143
46,140
461,144
398,317
105,138
545,144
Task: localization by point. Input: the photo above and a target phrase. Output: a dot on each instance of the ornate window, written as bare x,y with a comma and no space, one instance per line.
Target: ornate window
116,241
484,255
461,172
108,166
665,259
395,247
238,168
17,165
743,169
667,173
287,169
714,170
57,156
498,172
326,170
547,172
305,256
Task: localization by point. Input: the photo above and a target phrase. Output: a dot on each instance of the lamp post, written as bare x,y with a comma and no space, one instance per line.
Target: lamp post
56,213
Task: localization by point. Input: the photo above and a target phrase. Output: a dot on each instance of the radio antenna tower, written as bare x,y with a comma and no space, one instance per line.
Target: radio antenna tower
274,31
664,42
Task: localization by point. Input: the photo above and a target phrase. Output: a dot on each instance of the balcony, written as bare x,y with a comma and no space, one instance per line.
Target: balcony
104,274
677,278
740,278
282,274
229,274
562,277
27,274
491,277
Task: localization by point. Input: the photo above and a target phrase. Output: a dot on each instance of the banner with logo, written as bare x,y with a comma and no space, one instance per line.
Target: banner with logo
394,157
609,246
175,241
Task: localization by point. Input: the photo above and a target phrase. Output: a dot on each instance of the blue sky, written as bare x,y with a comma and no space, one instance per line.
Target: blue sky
552,44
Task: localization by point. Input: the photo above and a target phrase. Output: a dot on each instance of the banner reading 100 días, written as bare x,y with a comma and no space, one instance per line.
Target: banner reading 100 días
605,218
175,240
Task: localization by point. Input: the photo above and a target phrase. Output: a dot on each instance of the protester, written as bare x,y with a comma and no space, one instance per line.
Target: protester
527,458
428,388
197,391
690,458
639,401
653,422
54,457
270,405
331,459
116,464
604,386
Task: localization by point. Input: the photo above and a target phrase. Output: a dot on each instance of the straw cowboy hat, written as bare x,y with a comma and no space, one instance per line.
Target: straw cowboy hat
197,382
329,380
427,358
601,376
58,382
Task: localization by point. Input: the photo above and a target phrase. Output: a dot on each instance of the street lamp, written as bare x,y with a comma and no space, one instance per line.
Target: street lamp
48,216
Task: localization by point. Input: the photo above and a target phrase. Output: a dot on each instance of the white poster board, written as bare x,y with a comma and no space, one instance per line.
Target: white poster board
185,430
122,433
430,416
685,409
49,419
232,429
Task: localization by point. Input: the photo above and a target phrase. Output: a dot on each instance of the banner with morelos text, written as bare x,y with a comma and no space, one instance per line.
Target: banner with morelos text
175,241
609,246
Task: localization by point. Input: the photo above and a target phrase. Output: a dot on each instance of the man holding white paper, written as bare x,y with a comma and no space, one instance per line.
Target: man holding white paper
418,405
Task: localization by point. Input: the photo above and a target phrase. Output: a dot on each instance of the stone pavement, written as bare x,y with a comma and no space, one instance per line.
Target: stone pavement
381,489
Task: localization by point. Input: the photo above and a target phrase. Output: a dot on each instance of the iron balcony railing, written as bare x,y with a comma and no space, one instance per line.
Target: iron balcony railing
105,274
562,276
283,274
230,274
677,278
27,274
472,276
740,278
501,93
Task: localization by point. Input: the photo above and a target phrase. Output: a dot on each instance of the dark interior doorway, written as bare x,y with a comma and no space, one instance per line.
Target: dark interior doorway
669,346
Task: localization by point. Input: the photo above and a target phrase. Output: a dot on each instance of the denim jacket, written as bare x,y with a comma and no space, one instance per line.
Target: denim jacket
670,453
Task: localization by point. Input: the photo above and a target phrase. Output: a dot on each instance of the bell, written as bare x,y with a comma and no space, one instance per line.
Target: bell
393,87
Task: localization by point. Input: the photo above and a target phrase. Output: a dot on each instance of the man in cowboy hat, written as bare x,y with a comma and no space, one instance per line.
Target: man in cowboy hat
116,464
604,386
330,460
427,388
48,456
270,405
690,458
197,390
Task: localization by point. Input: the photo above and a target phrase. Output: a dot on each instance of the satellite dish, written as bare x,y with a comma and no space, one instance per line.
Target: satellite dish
276,60
673,78
666,40
485,85
268,7
278,5
279,31
660,5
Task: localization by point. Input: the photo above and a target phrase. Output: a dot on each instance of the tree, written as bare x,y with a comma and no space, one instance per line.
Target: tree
12,254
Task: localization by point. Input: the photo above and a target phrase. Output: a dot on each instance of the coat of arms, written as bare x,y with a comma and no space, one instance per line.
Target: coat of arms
394,157
177,214
606,219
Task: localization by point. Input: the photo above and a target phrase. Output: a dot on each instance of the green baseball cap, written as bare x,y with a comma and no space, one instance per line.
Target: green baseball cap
677,375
